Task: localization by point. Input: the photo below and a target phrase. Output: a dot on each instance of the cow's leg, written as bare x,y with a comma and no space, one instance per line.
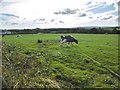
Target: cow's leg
71,43
68,43
61,44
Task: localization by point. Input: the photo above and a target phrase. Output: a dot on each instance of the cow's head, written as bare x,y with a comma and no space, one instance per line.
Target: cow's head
76,41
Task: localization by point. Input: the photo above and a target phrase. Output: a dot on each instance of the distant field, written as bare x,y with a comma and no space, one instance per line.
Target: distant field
27,63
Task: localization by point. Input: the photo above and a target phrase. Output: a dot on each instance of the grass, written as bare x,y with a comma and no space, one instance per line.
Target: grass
27,63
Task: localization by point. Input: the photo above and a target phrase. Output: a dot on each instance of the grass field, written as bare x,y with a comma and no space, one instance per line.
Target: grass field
27,63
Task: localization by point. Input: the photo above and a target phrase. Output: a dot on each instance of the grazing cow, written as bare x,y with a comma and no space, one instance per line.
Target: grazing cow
39,41
68,39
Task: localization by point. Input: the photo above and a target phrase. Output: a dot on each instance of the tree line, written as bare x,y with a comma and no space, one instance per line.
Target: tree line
99,30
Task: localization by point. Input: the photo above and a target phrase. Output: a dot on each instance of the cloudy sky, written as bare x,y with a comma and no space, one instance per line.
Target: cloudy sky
57,13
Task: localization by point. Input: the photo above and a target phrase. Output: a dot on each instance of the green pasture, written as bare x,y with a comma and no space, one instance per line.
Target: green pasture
27,63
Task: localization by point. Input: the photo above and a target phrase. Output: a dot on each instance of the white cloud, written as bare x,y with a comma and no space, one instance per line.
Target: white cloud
32,10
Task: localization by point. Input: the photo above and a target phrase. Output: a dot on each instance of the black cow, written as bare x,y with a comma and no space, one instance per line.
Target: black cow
39,41
3,35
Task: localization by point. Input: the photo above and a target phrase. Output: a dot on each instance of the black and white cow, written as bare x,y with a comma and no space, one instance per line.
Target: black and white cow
68,39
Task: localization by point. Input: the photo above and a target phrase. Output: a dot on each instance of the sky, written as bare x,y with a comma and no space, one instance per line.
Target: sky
23,14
